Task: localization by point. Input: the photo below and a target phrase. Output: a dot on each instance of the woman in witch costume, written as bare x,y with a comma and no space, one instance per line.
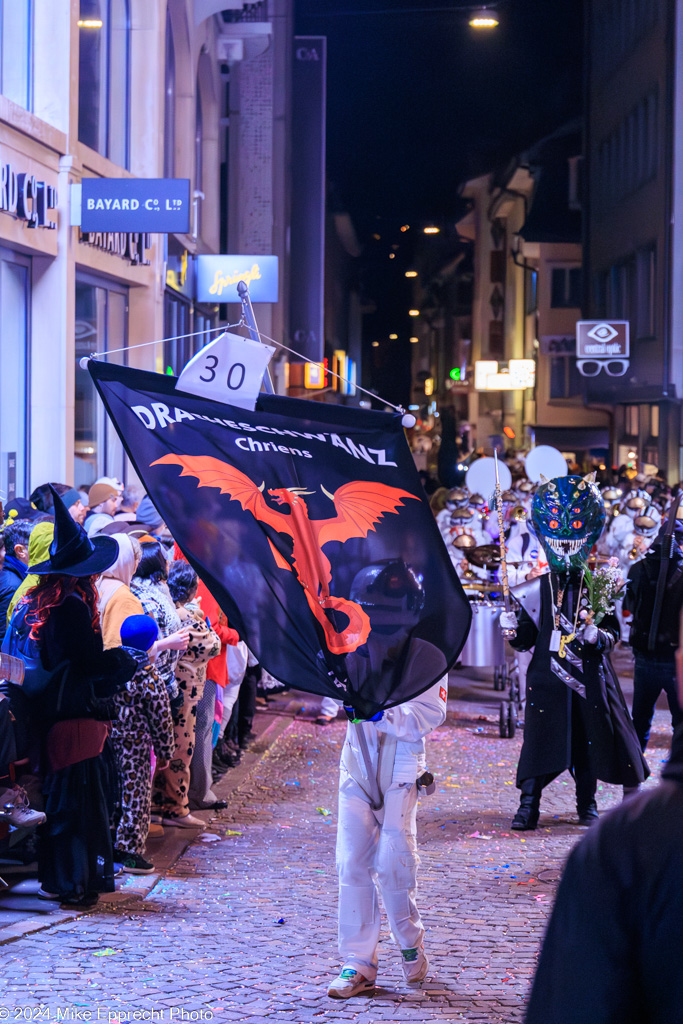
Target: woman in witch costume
68,685
576,715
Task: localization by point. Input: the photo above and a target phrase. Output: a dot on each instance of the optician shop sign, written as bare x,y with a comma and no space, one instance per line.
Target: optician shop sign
218,277
135,204
602,345
24,197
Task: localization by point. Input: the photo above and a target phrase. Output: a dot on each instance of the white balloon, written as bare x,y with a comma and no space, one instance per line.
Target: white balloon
480,478
544,460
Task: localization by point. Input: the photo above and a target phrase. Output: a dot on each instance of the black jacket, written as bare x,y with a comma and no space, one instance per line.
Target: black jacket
9,583
614,945
640,599
613,751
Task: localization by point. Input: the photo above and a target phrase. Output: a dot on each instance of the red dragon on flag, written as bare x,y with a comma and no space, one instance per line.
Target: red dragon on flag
359,505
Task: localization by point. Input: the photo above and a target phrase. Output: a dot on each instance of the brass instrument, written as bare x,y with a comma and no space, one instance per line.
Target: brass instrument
518,514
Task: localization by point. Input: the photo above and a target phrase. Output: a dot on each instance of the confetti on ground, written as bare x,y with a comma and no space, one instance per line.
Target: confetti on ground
209,837
323,810
105,952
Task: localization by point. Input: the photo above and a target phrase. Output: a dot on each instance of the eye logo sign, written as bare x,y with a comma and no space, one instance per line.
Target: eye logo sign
602,345
359,506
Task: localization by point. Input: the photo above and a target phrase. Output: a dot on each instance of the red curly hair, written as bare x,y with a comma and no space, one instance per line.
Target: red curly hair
51,591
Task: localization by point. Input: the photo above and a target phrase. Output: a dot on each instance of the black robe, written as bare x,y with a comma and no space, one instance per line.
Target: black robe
613,950
75,853
608,743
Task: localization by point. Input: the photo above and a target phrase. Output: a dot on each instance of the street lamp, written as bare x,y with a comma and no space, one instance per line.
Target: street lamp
413,312
484,18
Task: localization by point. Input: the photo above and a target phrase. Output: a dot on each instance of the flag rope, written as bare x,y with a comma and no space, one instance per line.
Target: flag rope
243,323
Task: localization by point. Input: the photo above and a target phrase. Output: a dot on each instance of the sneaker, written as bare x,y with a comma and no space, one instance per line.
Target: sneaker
43,894
187,821
415,964
133,863
118,869
349,983
18,812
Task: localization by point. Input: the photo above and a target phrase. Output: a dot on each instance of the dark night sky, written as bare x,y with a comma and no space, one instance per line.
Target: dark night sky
419,102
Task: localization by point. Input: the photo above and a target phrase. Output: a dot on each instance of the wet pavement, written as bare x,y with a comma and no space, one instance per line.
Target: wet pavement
242,924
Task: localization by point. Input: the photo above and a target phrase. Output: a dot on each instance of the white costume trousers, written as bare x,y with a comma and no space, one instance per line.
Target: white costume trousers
371,855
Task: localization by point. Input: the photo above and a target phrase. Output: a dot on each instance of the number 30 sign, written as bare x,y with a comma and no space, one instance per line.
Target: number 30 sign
229,370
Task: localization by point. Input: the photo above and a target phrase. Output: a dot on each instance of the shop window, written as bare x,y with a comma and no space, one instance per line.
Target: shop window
178,349
498,257
496,339
14,335
531,292
646,285
654,421
565,379
16,50
632,420
101,326
104,78
169,102
198,161
566,288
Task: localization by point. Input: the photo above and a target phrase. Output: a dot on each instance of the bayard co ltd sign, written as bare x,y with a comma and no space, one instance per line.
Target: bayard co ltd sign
24,197
160,205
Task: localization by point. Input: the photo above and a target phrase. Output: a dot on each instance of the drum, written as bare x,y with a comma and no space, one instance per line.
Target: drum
485,647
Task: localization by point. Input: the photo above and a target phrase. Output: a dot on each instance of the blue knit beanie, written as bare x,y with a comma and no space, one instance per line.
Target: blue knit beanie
139,632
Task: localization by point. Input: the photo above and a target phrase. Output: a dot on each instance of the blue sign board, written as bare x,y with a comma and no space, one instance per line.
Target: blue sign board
218,277
136,204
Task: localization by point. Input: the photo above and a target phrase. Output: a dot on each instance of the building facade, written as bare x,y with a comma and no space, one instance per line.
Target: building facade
632,244
194,89
518,367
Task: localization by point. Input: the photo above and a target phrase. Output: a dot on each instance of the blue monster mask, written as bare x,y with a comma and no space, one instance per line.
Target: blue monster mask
568,515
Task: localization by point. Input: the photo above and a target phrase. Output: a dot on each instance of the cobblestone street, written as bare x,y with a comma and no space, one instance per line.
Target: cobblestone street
243,924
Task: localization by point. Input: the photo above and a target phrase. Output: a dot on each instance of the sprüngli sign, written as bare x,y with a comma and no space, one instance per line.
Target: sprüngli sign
218,277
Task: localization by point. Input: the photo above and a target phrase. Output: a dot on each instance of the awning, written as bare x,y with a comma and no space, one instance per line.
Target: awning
572,438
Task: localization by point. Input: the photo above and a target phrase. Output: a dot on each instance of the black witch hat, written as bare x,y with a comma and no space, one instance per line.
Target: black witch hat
72,552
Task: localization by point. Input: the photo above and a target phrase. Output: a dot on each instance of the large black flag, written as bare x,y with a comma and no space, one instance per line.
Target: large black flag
308,524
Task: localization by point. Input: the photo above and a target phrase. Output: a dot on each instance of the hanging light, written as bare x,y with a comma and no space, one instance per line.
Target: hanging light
485,18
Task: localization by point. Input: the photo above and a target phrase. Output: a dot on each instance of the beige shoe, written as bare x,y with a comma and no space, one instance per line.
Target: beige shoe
156,831
415,965
349,983
187,821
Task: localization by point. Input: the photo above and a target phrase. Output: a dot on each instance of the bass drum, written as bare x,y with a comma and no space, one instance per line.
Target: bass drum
485,647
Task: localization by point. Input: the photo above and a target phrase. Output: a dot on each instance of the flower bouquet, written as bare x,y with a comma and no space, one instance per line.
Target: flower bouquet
603,586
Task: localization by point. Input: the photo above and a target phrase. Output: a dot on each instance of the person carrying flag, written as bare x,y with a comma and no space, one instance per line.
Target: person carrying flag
382,769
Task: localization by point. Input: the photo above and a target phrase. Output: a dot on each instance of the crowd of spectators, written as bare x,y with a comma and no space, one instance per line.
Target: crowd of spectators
137,695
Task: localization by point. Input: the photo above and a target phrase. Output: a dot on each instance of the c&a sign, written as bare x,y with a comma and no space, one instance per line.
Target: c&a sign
22,196
218,277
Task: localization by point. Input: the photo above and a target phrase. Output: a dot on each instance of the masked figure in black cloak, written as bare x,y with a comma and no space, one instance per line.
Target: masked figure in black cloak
576,716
